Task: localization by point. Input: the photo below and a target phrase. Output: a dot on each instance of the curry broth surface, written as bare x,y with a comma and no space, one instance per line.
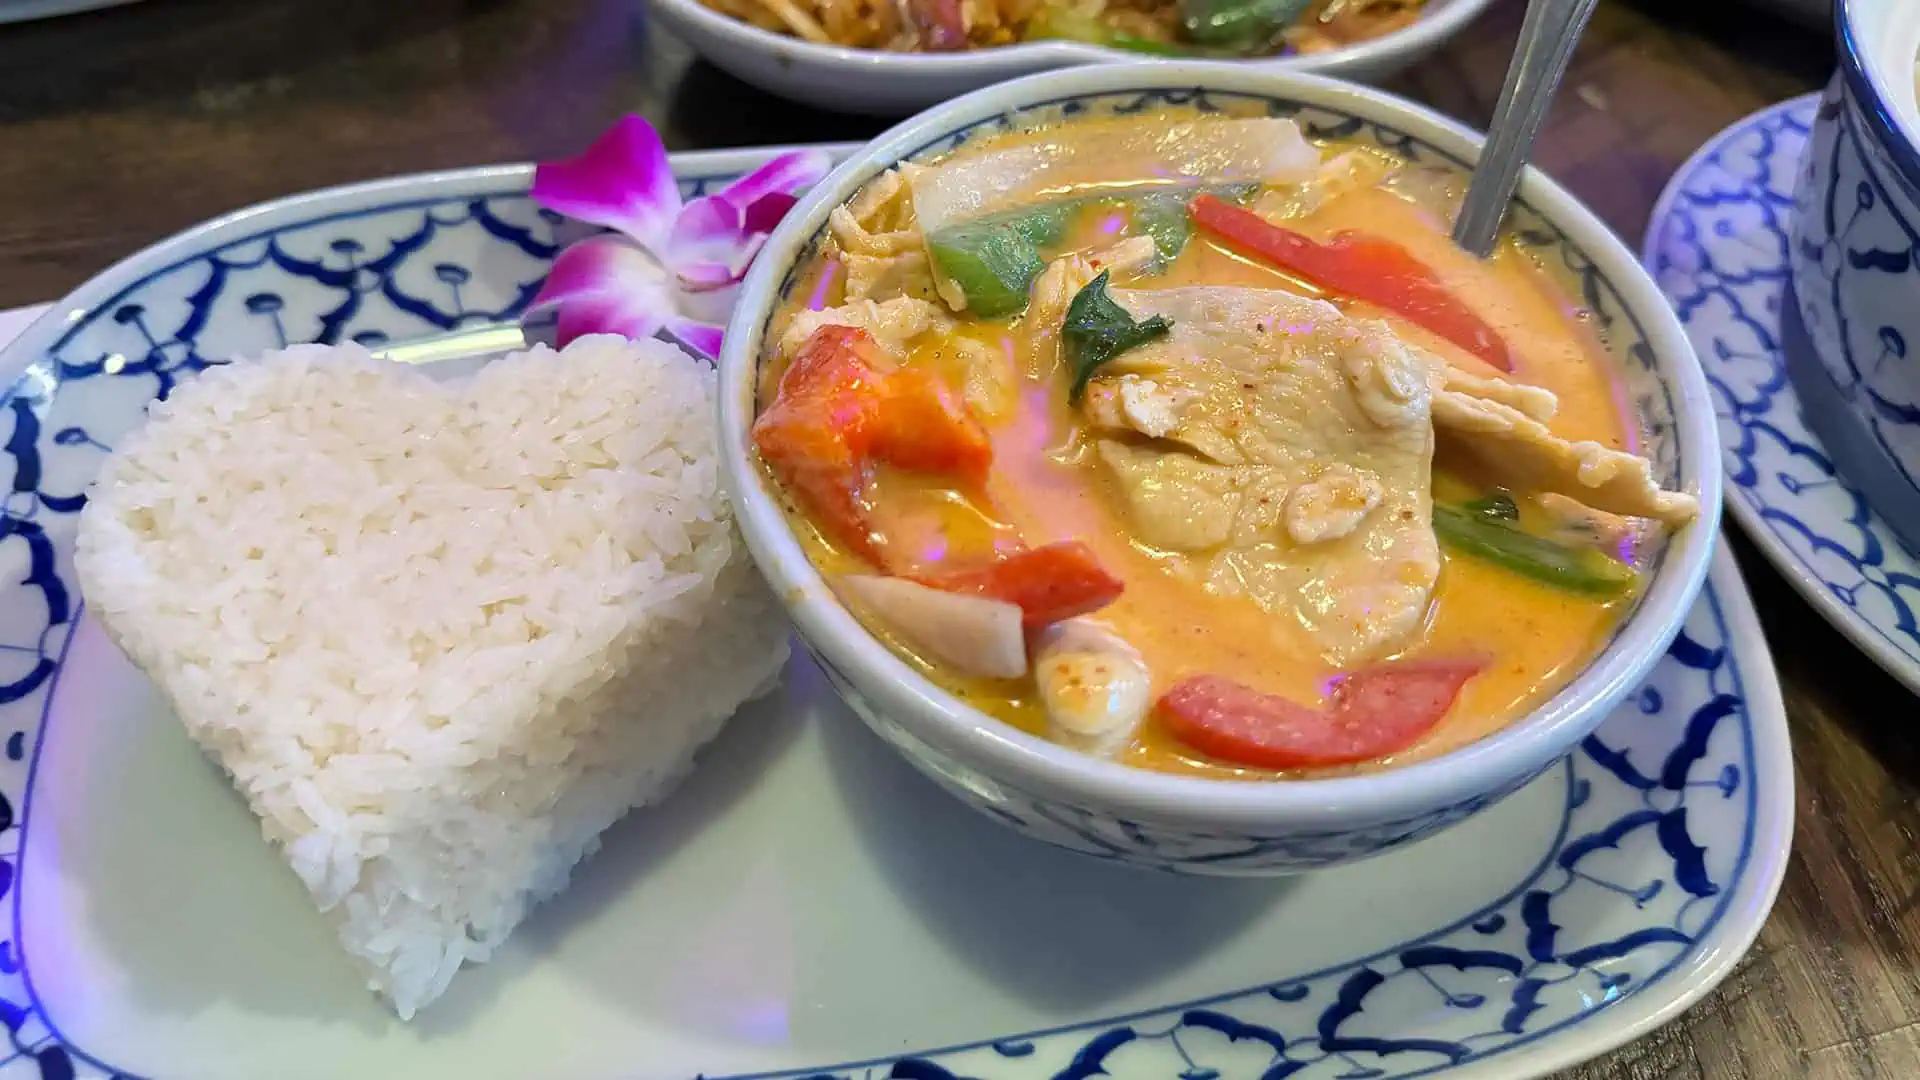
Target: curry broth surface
1533,637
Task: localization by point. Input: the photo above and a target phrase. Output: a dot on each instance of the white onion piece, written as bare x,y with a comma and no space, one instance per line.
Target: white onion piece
1214,150
1095,686
971,634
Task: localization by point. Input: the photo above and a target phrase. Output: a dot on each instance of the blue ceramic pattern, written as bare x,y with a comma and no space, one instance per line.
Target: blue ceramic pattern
1679,754
1720,251
1659,807
1141,843
1856,235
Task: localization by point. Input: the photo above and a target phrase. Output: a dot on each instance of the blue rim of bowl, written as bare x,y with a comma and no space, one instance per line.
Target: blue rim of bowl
1898,141
1549,731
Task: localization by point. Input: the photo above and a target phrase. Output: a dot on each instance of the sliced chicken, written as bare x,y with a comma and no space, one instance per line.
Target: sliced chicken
884,204
1578,525
1534,402
888,277
1284,452
971,634
1176,501
877,241
893,323
855,239
1330,506
1520,452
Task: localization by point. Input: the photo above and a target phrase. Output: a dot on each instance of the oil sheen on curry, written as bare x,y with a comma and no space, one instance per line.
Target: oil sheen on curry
1191,444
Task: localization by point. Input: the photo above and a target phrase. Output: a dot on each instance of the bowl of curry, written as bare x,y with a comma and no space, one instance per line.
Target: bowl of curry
1138,456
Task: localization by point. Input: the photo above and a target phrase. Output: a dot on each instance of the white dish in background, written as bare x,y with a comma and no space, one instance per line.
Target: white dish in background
807,905
1717,245
879,83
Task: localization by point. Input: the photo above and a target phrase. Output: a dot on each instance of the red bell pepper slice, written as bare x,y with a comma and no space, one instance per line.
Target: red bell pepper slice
1048,584
1378,272
844,407
1373,712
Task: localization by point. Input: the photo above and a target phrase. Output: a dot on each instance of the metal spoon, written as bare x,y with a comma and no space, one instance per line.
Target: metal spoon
1547,37
456,345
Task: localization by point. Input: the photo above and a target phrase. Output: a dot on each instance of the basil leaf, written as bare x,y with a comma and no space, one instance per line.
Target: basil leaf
1097,329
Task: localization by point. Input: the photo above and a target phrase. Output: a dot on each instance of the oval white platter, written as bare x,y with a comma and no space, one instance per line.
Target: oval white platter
1717,245
806,905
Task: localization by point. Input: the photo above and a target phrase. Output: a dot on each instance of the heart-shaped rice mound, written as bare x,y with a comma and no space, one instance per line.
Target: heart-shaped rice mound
440,633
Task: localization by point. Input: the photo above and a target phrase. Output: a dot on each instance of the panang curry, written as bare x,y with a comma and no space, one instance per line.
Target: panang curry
1186,442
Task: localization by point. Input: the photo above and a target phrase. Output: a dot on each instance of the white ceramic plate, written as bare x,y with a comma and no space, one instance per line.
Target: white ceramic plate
1717,246
807,906
881,83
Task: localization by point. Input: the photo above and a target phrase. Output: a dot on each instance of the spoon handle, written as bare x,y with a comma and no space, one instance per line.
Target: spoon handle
455,344
1547,37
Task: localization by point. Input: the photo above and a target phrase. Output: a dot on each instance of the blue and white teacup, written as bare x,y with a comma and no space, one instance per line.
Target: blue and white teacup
1853,351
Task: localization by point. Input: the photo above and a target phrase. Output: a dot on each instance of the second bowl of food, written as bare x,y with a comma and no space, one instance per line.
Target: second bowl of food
892,59
1139,457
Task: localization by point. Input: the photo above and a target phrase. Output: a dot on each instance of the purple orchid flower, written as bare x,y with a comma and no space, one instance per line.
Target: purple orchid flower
670,266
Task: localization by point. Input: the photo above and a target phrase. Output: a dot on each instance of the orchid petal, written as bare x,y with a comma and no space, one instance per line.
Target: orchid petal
702,337
622,181
708,305
585,317
784,174
606,285
709,249
702,277
705,277
766,212
708,230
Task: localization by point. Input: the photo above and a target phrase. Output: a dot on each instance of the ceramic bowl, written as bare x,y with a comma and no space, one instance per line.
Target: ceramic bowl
1854,351
1208,826
877,83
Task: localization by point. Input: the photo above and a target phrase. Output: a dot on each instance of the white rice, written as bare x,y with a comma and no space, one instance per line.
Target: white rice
440,634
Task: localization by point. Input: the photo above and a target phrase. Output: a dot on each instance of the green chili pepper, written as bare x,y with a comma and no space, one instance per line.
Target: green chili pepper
994,259
1056,21
1241,24
1495,540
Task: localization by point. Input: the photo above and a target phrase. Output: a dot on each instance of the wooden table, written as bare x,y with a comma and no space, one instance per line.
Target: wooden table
119,127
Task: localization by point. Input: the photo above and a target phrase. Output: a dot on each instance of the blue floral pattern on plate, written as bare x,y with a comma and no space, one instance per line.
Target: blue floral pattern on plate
1718,247
1674,815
